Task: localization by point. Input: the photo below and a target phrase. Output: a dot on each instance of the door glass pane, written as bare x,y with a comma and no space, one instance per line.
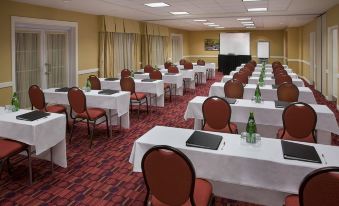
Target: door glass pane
56,70
27,64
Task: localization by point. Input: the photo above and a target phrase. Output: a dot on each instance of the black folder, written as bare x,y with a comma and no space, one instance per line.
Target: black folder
63,89
230,100
138,72
108,92
149,80
281,104
301,152
112,79
170,73
274,86
204,140
31,116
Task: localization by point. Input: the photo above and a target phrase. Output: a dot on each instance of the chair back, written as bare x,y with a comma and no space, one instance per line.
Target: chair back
320,187
77,100
253,62
127,84
299,120
125,73
280,71
246,71
188,65
276,63
37,97
173,69
234,89
217,112
288,92
167,64
95,82
282,78
243,78
169,175
156,74
182,61
201,62
148,69
251,67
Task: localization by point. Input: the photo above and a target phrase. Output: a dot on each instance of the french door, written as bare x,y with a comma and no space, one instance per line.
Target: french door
41,58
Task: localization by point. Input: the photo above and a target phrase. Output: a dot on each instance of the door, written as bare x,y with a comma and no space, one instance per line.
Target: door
313,65
334,58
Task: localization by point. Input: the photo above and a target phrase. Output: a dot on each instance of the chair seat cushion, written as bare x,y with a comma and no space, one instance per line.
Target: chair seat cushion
138,96
167,86
56,108
202,194
292,200
224,130
287,136
93,113
9,147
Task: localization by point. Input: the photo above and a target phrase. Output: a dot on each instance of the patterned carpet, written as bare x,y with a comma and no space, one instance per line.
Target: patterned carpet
102,175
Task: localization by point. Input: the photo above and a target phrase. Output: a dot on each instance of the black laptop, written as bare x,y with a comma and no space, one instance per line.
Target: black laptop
301,152
31,116
112,79
170,73
138,72
274,86
230,100
281,104
108,92
63,89
149,80
204,140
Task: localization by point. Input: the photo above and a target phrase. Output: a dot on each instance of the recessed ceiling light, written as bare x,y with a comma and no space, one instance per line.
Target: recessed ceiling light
251,0
250,27
179,12
208,23
202,20
157,4
220,27
257,9
247,22
245,19
213,25
66,1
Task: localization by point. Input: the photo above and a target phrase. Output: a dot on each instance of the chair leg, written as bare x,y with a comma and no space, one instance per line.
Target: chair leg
29,165
92,134
108,128
67,125
139,109
1,167
88,129
146,104
9,166
52,160
71,133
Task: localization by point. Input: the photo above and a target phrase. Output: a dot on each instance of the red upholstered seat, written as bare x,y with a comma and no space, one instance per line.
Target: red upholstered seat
56,108
9,147
292,200
202,194
233,126
93,113
166,85
138,96
287,136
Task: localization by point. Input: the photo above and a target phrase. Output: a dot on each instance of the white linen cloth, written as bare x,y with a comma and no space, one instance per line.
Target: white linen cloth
210,68
156,88
267,74
267,92
267,80
115,103
189,73
259,167
43,134
267,117
267,69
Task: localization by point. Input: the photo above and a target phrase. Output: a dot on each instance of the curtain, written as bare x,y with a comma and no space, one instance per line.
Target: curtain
117,52
154,50
56,60
27,71
177,48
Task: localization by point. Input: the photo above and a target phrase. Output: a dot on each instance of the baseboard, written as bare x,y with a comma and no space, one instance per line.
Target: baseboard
88,71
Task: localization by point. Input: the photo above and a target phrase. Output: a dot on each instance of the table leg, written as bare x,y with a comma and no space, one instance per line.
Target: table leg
110,123
30,165
52,161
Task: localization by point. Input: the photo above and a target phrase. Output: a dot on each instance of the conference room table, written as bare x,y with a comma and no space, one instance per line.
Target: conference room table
197,69
267,74
267,69
267,80
210,67
267,92
155,88
117,104
256,173
173,79
46,136
268,118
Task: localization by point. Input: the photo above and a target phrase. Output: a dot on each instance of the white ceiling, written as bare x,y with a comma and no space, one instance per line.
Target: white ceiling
280,14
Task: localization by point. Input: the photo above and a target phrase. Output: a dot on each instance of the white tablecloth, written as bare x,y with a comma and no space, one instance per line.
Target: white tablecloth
267,74
43,134
210,67
267,92
267,80
187,74
268,69
267,117
259,167
156,87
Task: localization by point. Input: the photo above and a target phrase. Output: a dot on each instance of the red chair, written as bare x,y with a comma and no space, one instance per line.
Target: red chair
95,82
167,64
288,92
217,116
279,72
156,74
182,61
37,99
10,148
77,102
251,67
253,62
128,84
276,63
188,65
148,69
319,188
201,62
170,179
246,71
173,69
125,73
282,79
299,120
234,89
243,78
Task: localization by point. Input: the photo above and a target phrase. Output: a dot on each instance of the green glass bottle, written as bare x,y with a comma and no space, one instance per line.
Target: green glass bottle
251,129
15,102
88,86
257,94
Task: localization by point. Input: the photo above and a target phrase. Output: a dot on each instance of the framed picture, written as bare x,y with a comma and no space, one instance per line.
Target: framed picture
212,44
